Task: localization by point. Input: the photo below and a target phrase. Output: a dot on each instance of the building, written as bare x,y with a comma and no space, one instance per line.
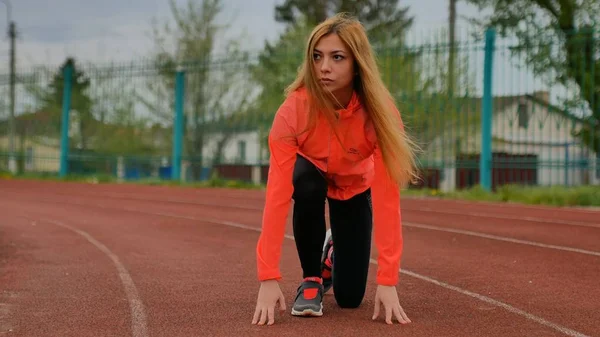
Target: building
37,146
533,143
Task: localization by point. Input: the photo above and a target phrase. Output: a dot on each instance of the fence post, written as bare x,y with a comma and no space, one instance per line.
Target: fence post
66,109
485,159
178,124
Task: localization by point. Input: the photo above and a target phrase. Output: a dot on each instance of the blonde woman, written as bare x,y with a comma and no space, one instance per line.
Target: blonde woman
337,137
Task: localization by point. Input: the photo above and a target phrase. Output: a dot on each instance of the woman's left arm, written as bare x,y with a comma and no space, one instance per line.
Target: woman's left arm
387,221
388,240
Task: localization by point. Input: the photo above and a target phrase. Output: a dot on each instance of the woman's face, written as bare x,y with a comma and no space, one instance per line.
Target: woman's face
334,65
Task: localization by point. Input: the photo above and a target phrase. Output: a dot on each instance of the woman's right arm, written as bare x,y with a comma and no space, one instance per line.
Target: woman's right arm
283,147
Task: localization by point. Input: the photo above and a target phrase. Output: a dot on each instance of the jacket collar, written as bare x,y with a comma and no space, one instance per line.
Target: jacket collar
353,106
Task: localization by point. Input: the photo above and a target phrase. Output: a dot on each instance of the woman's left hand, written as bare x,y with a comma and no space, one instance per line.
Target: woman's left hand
388,296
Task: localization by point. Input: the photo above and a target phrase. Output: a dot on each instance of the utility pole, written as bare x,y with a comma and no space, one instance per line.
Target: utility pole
12,162
12,34
452,54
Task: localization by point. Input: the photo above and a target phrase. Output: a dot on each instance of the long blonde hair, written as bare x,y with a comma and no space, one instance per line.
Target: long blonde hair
397,148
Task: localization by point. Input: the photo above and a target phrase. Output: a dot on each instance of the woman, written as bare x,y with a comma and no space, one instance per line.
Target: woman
336,137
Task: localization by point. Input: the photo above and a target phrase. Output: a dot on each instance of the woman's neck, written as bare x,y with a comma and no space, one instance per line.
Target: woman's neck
343,97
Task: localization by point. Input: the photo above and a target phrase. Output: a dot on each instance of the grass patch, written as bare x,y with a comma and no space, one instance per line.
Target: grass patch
214,181
5,174
555,195
531,195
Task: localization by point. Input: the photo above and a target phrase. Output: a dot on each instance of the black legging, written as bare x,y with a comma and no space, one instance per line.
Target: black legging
351,224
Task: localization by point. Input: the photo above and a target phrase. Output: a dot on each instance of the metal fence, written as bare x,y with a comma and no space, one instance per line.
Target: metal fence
493,117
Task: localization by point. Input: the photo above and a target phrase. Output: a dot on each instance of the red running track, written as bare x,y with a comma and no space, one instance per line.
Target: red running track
125,260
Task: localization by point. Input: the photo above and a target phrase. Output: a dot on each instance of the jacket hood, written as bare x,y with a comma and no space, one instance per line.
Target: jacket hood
353,106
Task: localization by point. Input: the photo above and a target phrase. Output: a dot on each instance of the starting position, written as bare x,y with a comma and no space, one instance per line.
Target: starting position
338,139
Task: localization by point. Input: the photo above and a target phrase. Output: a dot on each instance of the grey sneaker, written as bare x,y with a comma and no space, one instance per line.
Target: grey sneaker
309,298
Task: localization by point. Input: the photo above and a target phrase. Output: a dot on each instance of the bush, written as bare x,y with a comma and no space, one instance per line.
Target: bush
5,174
532,195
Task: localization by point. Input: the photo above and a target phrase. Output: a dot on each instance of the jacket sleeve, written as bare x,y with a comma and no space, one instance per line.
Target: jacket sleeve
387,220
283,147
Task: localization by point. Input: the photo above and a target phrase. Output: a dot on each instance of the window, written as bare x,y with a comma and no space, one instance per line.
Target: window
242,150
523,115
29,158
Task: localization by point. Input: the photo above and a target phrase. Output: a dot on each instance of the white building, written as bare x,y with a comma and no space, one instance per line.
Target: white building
521,126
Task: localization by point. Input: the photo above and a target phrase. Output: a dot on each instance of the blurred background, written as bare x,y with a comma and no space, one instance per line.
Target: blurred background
495,92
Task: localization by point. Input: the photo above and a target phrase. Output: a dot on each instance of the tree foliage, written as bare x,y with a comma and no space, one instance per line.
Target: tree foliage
50,100
560,41
216,88
385,21
412,74
103,118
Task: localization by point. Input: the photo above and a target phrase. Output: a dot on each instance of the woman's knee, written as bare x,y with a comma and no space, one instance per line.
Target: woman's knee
349,300
308,181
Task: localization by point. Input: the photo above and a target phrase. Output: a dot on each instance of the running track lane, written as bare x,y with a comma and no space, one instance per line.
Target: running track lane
53,281
182,209
196,278
584,237
245,197
580,234
518,282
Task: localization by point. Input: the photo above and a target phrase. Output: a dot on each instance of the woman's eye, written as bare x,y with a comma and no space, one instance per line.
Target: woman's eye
316,56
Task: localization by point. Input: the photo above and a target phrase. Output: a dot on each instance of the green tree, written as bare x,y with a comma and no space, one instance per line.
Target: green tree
291,11
216,87
102,114
413,74
278,63
276,67
81,102
385,21
559,43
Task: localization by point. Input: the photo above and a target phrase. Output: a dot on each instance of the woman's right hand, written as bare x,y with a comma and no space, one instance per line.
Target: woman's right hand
268,296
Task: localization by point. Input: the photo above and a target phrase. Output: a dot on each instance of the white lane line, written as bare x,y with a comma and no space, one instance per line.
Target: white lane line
139,325
508,307
408,209
407,224
557,327
500,238
506,217
418,209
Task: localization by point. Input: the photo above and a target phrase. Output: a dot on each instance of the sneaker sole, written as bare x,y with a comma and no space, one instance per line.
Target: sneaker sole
308,312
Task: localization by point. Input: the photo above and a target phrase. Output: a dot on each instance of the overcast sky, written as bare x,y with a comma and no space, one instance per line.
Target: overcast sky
118,30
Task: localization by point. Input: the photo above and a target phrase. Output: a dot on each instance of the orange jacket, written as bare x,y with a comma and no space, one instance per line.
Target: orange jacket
352,171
